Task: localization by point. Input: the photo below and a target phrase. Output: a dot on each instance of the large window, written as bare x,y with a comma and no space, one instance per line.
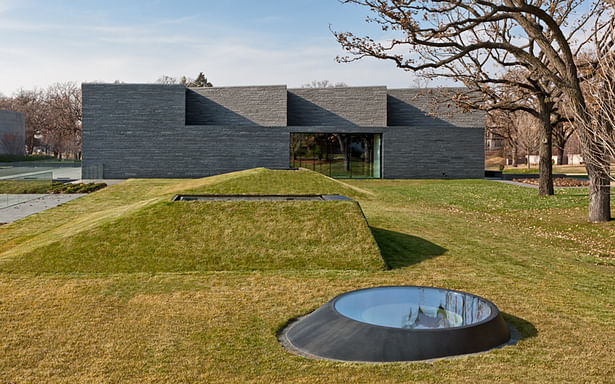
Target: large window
341,155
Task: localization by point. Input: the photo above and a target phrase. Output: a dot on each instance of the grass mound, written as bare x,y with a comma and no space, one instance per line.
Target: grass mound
265,181
157,235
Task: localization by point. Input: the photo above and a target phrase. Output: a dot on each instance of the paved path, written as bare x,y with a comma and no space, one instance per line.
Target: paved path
106,181
8,172
57,173
26,205
529,185
516,183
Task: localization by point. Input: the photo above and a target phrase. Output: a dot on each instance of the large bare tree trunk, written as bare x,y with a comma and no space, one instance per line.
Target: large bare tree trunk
596,163
514,156
599,194
545,165
545,147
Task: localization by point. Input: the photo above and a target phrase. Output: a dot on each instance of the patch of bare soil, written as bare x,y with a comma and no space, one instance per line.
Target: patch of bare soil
557,182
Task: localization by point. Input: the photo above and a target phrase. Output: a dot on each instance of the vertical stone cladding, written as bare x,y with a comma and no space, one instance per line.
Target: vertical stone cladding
429,137
237,106
429,107
133,130
12,133
155,130
338,107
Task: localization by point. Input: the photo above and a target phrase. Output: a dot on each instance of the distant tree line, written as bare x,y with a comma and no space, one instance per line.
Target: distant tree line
324,84
53,118
199,81
53,115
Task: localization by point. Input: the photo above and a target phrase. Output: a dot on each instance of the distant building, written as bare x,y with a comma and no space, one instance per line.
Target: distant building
493,141
573,159
155,130
12,133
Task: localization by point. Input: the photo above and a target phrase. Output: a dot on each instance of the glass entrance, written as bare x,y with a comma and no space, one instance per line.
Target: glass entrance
340,155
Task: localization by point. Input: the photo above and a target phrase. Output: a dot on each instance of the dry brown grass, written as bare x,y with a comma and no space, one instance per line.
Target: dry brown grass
220,327
548,270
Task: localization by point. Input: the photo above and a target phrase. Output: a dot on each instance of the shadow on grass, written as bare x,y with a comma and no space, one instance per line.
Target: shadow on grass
400,250
525,328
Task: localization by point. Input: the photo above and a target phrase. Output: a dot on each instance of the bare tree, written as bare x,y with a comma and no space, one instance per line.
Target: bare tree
199,81
600,93
516,91
480,39
164,79
561,134
513,92
528,134
324,84
503,124
53,117
62,132
31,104
519,130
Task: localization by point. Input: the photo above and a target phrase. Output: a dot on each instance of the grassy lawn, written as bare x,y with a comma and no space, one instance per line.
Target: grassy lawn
561,169
124,286
24,186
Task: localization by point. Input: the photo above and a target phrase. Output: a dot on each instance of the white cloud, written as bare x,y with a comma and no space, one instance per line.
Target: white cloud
144,52
5,5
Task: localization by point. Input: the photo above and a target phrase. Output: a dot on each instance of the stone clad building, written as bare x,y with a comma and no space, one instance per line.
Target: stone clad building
170,131
12,133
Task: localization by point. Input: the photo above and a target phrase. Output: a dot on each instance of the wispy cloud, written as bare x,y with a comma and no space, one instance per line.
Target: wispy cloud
140,40
140,49
5,5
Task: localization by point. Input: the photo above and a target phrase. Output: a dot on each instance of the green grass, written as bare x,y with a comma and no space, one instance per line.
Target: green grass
520,170
133,317
21,186
214,236
281,182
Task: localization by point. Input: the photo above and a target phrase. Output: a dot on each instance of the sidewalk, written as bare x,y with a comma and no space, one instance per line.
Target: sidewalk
59,173
26,205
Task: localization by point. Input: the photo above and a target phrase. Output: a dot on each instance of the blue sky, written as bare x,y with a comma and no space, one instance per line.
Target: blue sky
235,42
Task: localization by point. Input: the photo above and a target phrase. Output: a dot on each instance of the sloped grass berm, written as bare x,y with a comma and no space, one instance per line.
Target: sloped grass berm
166,236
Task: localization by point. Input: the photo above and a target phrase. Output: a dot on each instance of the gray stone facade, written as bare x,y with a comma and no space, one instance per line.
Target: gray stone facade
12,133
237,106
429,137
154,130
340,107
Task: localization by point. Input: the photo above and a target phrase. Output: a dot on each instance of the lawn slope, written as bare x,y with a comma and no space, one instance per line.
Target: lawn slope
116,308
157,235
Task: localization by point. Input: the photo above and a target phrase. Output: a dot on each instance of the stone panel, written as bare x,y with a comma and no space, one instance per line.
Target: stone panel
419,108
433,152
123,120
193,151
12,133
346,106
237,106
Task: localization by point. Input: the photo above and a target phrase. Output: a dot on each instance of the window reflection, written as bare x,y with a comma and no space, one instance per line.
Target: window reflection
413,307
340,155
